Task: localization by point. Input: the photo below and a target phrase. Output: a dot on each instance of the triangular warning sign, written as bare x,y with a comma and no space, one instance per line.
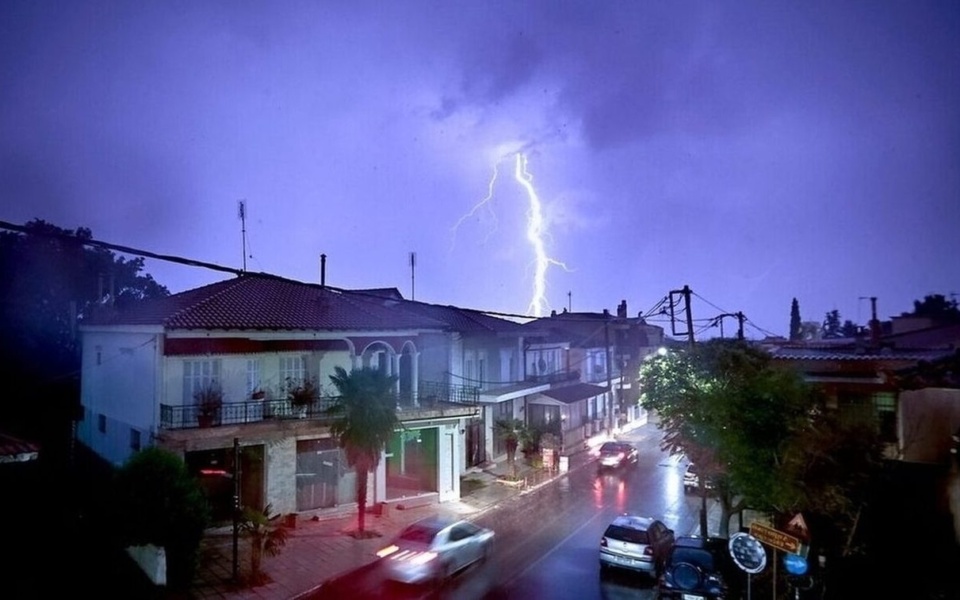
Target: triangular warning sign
798,527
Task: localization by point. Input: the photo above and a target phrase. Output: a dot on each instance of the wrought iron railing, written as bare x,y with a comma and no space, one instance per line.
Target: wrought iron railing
236,413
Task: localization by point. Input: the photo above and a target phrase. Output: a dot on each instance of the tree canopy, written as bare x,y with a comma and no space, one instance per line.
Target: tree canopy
48,280
756,429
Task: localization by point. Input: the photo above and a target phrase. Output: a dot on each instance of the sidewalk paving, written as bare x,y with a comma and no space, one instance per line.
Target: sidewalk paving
318,549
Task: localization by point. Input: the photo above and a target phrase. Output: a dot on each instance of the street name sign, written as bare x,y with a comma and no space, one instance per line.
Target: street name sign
775,538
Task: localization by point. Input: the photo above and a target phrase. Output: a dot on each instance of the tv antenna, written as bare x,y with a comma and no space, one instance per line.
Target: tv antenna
413,269
242,213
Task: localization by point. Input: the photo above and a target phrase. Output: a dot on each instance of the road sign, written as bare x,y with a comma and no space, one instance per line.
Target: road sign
798,527
747,552
776,538
795,564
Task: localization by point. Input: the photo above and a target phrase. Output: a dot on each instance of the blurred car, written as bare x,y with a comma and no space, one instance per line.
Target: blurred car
691,480
699,568
613,455
434,549
635,543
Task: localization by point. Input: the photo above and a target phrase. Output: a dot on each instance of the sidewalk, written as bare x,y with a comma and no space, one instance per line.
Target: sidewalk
318,549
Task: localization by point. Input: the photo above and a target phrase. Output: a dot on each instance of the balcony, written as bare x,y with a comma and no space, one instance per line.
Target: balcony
433,397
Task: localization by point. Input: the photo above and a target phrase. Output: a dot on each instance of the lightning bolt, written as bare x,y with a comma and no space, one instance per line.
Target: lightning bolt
535,235
536,228
484,203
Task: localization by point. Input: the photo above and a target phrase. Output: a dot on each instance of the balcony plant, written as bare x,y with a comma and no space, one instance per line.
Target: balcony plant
302,394
209,400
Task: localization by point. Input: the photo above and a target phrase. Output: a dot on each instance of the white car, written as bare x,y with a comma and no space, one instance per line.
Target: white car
635,543
434,549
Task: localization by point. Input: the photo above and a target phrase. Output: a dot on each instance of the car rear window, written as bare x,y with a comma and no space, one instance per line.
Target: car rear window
626,534
692,555
610,447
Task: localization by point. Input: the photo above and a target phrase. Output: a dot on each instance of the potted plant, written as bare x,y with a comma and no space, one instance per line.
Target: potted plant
209,399
302,394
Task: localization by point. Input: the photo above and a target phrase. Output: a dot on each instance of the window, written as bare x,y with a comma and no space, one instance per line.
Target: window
885,405
197,375
253,375
134,439
102,423
293,368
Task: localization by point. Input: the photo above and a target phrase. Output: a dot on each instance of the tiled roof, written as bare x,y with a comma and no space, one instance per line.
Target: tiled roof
264,302
854,354
573,393
464,320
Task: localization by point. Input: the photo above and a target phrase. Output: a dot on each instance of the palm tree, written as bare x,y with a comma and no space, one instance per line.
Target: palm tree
266,535
365,418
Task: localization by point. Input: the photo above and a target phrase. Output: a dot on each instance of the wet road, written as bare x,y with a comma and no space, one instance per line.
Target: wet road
547,542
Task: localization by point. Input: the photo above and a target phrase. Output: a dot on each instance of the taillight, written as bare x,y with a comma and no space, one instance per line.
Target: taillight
603,542
648,551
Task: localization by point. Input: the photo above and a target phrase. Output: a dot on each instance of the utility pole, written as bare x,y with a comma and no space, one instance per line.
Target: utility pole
236,509
685,292
739,316
606,345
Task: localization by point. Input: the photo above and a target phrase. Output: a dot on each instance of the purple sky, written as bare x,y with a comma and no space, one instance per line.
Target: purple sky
755,151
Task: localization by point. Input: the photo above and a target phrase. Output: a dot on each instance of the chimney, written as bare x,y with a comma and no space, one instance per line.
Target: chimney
323,270
622,309
874,322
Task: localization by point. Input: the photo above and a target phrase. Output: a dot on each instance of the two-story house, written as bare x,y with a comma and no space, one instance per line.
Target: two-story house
592,363
253,338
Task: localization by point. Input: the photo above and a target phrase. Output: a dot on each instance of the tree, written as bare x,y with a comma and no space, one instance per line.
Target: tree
724,406
795,331
831,325
365,419
936,307
49,280
266,535
849,329
158,502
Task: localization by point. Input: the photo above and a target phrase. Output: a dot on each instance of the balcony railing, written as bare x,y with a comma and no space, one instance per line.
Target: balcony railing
237,413
559,377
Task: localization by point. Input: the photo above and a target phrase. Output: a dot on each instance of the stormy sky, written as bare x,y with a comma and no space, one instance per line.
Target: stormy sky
755,151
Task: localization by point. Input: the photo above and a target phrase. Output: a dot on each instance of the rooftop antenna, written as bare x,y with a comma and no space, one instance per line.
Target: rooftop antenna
242,213
570,301
413,269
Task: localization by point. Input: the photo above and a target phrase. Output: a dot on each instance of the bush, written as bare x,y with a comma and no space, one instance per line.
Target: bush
158,502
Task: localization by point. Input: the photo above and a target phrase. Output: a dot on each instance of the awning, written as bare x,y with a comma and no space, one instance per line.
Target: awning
569,394
16,450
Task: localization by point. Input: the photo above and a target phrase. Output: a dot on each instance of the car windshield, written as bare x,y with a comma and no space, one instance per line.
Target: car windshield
626,534
421,534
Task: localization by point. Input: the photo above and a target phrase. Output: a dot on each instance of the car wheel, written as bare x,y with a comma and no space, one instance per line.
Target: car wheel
686,576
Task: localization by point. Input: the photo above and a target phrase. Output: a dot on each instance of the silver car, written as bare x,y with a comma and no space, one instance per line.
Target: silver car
635,543
435,548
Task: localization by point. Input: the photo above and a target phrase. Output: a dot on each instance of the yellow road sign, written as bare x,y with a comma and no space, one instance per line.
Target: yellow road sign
775,537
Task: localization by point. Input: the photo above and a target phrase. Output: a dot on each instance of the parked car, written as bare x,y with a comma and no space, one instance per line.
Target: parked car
691,480
635,543
434,549
700,568
614,455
